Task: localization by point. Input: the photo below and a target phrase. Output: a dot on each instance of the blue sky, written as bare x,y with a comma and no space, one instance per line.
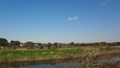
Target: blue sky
79,21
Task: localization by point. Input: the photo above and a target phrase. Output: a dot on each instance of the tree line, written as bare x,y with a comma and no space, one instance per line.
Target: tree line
4,42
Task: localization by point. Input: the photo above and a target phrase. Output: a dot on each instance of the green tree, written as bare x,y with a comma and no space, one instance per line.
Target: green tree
49,45
29,43
11,41
72,43
3,39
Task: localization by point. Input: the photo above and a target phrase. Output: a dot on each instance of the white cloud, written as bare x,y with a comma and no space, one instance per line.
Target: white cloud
100,2
98,25
70,18
104,4
74,17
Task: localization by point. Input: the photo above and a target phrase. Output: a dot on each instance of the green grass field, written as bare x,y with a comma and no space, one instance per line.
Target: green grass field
41,54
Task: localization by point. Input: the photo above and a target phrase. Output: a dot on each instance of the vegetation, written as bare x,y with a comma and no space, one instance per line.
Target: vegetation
12,52
3,42
49,45
55,44
42,54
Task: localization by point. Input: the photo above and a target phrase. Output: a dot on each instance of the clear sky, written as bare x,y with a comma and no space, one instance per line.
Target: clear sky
79,21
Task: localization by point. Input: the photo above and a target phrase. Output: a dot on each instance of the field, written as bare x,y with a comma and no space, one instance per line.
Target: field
74,52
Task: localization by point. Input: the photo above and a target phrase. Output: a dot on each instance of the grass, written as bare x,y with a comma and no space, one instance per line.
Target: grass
79,53
28,54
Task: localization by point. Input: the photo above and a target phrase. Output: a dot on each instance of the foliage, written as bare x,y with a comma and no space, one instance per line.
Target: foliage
3,39
49,45
3,42
16,43
103,43
55,44
29,43
11,41
72,43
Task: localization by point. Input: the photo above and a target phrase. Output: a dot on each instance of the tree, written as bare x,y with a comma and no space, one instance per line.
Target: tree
11,41
103,43
118,43
17,43
3,39
49,45
72,43
56,44
41,46
60,45
29,43
3,42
